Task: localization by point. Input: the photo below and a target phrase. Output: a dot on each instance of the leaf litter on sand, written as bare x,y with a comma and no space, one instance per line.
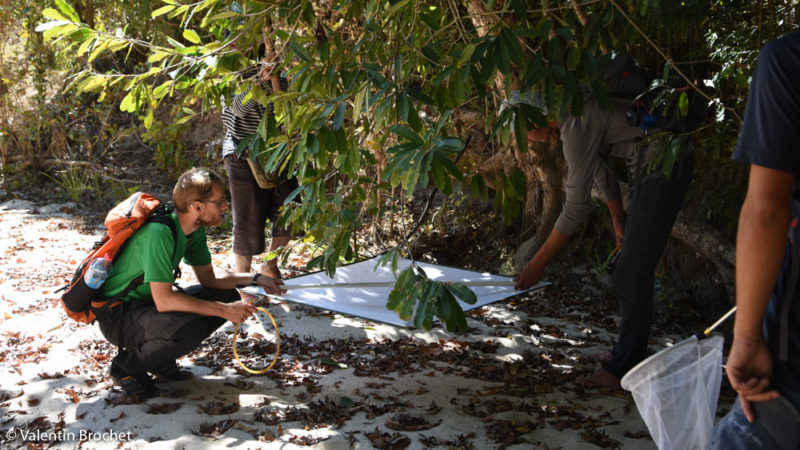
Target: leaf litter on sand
397,375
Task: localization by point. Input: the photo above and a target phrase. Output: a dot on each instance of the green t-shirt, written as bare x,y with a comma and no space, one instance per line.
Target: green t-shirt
149,251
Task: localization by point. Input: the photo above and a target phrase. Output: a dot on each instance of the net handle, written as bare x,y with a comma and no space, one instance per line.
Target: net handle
277,345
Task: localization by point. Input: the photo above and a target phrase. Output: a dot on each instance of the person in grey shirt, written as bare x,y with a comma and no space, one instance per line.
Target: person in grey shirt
591,143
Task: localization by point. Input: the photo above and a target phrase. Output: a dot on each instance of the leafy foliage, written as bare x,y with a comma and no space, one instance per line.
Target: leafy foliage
376,85
414,290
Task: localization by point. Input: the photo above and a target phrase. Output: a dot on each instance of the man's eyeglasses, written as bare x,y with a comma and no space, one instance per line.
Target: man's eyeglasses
220,203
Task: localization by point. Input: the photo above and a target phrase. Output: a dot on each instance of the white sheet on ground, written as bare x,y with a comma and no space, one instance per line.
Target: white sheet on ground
369,302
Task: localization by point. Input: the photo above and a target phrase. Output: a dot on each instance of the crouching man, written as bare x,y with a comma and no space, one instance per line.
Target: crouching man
156,322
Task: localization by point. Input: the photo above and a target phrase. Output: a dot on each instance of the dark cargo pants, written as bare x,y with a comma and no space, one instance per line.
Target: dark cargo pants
655,206
148,339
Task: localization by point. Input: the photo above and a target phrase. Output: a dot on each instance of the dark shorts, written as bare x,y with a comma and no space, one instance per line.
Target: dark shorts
253,206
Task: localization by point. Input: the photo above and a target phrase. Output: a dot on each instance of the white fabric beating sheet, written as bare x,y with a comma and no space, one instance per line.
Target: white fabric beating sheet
370,302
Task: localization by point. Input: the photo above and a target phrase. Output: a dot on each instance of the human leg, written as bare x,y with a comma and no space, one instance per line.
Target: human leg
270,266
650,218
280,235
243,262
151,341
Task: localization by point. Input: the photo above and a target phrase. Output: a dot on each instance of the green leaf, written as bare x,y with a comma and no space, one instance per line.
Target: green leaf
402,105
478,187
183,120
457,319
558,70
466,54
443,75
68,11
156,57
219,16
424,98
429,51
683,104
521,132
346,402
407,134
298,49
394,8
161,90
574,58
501,55
358,102
440,178
511,42
191,36
461,291
448,143
338,117
178,11
81,35
422,311
51,13
97,50
92,83
162,10
128,103
328,139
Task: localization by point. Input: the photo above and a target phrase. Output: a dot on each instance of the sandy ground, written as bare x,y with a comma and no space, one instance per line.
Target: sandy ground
340,382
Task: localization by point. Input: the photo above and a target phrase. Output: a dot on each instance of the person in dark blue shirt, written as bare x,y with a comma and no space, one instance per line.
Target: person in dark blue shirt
763,365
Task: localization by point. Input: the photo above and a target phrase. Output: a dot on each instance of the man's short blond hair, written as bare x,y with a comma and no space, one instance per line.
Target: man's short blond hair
196,184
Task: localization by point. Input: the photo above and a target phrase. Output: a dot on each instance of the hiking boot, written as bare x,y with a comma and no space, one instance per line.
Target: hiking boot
171,372
140,384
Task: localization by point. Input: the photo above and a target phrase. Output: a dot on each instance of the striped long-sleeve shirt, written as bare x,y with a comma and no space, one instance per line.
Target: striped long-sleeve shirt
242,119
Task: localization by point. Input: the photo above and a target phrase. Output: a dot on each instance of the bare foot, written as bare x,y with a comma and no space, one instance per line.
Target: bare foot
601,378
603,357
271,270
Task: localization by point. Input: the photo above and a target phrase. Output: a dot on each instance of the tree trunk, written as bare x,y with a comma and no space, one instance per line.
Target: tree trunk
85,11
543,165
711,245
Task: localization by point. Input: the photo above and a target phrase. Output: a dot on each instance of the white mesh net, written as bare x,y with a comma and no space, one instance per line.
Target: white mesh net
676,391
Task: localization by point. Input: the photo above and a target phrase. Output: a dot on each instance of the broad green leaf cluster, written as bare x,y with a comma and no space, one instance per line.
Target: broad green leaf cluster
415,295
375,91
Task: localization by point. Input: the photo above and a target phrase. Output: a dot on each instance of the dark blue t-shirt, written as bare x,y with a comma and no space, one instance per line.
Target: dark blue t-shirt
770,138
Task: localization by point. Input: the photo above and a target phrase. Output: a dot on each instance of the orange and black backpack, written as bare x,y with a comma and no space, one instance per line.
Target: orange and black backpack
80,301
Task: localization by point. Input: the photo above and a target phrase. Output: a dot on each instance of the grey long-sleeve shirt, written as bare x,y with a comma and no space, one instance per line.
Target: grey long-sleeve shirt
584,141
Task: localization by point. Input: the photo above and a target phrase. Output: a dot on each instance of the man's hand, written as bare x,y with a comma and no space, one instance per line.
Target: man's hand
749,368
617,218
238,312
530,275
271,285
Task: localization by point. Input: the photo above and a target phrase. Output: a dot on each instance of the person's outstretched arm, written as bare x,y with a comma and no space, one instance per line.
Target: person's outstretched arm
533,271
760,245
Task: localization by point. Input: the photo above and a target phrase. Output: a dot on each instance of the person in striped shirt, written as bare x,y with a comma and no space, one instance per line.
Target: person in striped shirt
252,205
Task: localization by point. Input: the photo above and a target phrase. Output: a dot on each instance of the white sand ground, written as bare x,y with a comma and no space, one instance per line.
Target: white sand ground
512,387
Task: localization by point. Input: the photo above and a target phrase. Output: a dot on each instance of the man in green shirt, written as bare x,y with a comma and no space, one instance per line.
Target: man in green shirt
157,323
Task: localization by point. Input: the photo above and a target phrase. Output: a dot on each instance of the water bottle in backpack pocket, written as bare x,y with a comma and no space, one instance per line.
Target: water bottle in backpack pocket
97,272
86,288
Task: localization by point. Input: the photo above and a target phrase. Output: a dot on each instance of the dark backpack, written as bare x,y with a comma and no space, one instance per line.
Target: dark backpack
672,107
624,77
122,221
